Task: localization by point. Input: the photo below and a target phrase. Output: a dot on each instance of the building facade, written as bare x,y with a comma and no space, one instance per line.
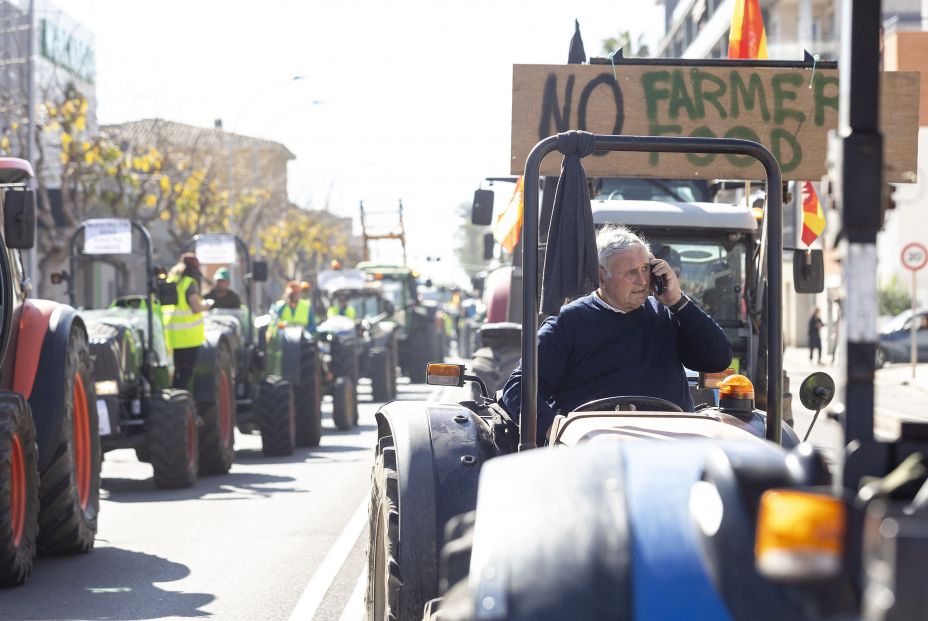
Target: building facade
700,29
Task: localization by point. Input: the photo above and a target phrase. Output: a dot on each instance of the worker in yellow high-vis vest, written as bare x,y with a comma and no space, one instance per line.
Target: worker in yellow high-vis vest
183,321
293,309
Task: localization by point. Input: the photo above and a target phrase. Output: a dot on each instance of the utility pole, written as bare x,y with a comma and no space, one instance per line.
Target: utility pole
30,128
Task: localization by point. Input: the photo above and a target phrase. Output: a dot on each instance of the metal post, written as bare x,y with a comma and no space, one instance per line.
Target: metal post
915,322
229,182
856,161
33,255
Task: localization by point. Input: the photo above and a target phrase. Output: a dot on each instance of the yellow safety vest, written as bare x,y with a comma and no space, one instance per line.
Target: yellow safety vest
334,310
298,316
183,328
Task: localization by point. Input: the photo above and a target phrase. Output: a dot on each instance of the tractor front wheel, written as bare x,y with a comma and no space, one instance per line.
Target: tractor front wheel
217,435
277,416
173,438
345,404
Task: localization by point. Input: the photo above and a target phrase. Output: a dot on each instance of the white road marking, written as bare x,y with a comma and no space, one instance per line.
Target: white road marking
329,567
355,609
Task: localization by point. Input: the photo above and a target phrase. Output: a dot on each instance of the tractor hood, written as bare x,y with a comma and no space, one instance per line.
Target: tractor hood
338,325
588,427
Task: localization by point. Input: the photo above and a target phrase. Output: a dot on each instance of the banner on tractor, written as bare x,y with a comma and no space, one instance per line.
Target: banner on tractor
216,249
107,236
789,110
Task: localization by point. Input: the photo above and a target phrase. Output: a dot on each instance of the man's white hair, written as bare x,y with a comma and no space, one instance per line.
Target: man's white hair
615,238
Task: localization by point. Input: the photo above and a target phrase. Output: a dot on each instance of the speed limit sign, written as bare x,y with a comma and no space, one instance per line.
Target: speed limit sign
914,256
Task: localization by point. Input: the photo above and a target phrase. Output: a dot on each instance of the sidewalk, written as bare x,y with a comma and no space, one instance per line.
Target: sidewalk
898,396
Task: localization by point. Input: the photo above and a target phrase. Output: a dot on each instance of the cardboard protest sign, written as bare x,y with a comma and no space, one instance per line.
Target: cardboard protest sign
789,110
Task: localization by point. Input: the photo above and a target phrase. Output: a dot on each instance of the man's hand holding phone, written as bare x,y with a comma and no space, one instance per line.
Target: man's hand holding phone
662,273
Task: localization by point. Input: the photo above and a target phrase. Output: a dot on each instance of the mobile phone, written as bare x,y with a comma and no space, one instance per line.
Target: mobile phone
658,283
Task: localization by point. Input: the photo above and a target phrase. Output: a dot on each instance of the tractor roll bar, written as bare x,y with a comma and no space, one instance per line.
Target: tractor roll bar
247,279
773,220
149,278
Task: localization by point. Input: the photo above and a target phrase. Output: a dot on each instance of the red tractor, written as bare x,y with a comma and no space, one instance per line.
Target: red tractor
49,436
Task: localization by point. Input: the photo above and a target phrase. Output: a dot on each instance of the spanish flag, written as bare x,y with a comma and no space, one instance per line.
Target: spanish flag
813,218
747,38
508,227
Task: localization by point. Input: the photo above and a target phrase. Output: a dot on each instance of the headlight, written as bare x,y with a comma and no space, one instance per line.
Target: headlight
106,388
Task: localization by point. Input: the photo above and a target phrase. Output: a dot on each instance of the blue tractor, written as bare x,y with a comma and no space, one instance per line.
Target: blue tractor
654,513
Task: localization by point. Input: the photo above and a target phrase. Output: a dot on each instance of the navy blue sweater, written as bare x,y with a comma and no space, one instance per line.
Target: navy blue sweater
589,352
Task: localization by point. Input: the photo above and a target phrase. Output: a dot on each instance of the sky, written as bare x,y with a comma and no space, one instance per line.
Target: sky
380,101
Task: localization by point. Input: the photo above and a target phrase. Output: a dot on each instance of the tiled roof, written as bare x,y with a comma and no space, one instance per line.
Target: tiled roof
159,131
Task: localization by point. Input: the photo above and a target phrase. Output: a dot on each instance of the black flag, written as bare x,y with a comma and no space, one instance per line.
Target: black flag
576,55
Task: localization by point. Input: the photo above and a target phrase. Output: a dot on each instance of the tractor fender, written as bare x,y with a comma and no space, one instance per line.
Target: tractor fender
601,531
204,383
47,382
737,476
440,450
33,324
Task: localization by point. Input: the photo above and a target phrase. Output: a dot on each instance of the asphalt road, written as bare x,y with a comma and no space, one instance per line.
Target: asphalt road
284,537
275,538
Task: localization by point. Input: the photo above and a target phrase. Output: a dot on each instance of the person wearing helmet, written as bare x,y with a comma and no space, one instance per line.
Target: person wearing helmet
293,309
183,320
221,295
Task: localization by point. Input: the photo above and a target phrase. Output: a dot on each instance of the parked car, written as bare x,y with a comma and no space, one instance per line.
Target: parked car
895,338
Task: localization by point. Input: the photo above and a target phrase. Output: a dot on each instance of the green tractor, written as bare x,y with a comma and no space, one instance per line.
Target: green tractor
133,367
374,327
420,326
265,401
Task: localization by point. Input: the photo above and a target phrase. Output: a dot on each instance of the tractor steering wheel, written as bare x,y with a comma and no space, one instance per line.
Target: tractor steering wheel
639,403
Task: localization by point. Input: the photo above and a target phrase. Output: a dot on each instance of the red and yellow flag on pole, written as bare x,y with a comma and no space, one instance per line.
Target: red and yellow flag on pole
747,38
508,227
813,218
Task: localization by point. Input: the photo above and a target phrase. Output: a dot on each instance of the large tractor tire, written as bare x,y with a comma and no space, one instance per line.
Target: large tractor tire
494,365
308,397
173,438
423,347
69,495
277,416
217,435
19,489
384,579
345,404
383,375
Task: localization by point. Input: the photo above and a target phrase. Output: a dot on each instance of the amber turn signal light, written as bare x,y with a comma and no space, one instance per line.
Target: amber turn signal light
439,374
800,535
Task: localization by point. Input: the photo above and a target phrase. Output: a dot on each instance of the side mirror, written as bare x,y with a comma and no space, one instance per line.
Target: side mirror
808,271
19,218
489,245
482,212
259,271
817,391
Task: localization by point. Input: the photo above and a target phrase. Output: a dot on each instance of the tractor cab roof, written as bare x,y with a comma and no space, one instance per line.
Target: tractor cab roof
14,170
635,213
387,269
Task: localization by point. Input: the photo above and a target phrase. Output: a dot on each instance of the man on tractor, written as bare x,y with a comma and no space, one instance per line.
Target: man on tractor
222,295
632,336
293,309
183,320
